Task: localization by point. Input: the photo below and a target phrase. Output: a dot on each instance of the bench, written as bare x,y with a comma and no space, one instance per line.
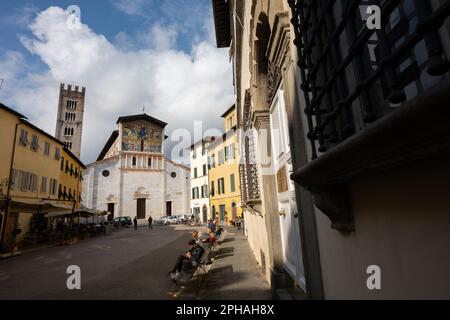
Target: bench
217,239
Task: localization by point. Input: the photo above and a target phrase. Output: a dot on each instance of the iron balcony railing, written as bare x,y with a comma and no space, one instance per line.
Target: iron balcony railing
353,75
248,170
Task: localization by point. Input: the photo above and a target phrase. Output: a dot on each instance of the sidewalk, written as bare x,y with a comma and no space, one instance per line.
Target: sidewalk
234,274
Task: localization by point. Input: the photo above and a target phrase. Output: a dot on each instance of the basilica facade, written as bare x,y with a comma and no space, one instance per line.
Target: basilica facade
132,177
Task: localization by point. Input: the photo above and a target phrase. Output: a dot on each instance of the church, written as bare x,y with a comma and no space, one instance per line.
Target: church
132,177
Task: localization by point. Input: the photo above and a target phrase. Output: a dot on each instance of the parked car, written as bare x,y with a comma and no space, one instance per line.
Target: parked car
161,220
122,222
183,218
171,220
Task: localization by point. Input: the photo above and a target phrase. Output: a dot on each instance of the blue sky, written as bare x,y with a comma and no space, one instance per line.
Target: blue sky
110,17
128,53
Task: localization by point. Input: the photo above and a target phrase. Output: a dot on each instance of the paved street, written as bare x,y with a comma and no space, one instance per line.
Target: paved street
125,265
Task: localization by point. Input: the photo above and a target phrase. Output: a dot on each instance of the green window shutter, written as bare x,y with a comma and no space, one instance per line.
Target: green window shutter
232,183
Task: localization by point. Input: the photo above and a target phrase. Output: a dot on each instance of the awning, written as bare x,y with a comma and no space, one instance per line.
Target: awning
83,212
42,206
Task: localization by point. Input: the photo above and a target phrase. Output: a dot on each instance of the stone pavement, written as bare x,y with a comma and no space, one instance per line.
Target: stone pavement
233,275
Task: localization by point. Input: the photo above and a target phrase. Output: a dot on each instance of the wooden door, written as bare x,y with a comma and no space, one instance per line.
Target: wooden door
111,211
169,208
11,225
140,209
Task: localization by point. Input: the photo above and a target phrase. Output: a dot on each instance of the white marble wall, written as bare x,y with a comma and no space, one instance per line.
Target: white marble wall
124,185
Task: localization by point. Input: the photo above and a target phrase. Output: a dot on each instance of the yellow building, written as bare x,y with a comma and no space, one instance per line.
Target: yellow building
223,164
38,175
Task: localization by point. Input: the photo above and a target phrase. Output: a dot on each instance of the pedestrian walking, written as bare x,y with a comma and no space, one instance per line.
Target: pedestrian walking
150,221
135,223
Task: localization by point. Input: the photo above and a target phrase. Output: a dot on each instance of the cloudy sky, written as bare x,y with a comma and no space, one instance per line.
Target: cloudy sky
128,53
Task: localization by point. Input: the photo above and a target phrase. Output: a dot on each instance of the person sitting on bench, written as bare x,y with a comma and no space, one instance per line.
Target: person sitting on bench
188,260
211,237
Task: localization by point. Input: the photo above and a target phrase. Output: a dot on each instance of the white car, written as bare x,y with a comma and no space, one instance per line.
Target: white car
170,220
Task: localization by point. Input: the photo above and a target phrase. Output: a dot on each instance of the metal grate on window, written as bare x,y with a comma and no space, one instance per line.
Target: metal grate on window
353,75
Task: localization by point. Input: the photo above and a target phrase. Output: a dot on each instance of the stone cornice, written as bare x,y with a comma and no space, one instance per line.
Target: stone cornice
278,50
278,53
260,118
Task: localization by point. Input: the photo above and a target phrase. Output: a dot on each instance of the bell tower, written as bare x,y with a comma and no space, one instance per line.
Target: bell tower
69,121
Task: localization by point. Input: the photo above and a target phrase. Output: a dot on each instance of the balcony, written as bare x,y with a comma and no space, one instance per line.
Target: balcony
374,99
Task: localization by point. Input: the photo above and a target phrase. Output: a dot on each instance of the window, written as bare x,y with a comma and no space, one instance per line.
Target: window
47,148
227,153
195,172
52,186
212,188
134,161
67,166
44,185
220,157
24,181
34,142
149,162
205,191
33,182
62,163
71,104
173,175
279,127
338,108
71,170
204,170
23,137
232,183
221,186
203,148
194,153
57,154
232,152
193,193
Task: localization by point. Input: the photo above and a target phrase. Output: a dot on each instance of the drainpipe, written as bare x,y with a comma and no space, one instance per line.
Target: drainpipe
8,200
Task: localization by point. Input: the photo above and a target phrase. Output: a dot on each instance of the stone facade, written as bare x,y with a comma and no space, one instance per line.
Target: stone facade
132,168
69,122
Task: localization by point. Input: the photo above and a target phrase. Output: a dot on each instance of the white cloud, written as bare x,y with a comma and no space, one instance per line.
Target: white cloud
131,7
176,87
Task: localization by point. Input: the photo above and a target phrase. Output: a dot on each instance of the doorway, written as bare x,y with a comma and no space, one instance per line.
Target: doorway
213,213
282,163
140,209
111,211
233,211
222,213
205,214
10,231
168,208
